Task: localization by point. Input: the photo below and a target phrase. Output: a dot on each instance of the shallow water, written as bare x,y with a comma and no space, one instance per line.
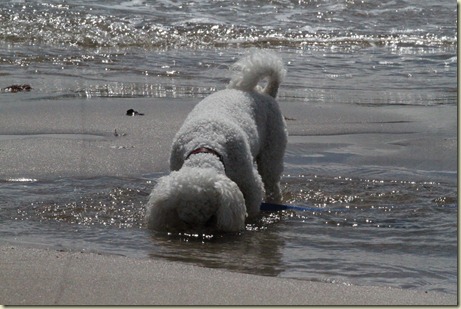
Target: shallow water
360,231
360,52
374,225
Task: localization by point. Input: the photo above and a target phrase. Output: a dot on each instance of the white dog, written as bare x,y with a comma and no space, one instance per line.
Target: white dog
226,156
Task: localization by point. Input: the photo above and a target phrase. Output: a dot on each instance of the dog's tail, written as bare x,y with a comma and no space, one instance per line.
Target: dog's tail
260,64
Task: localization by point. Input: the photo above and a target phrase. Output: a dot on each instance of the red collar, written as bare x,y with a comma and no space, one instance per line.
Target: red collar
206,150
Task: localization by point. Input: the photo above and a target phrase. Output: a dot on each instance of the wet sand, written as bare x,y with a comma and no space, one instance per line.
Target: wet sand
85,138
51,138
43,277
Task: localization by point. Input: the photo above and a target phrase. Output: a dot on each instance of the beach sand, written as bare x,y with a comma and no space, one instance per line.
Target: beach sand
51,138
43,277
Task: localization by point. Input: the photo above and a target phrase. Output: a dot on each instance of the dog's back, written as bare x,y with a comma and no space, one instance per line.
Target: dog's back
243,107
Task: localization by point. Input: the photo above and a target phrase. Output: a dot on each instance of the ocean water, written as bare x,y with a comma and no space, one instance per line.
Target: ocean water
370,225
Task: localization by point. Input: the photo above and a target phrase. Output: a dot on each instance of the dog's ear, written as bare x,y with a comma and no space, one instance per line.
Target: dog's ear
231,212
159,205
163,201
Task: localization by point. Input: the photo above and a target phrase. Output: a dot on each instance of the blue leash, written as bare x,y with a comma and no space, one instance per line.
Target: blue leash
279,207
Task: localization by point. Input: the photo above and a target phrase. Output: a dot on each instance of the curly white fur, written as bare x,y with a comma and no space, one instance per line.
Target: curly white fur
250,70
194,197
246,128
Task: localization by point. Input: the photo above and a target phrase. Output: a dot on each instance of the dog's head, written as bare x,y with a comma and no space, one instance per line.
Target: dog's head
195,199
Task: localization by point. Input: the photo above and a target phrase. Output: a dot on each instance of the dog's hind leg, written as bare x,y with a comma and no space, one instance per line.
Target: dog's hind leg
270,164
271,170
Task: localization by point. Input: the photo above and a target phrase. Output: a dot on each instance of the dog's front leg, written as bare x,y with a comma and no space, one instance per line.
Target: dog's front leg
242,170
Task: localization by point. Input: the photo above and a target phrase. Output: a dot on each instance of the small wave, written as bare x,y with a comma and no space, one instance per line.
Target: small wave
21,179
133,90
66,25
